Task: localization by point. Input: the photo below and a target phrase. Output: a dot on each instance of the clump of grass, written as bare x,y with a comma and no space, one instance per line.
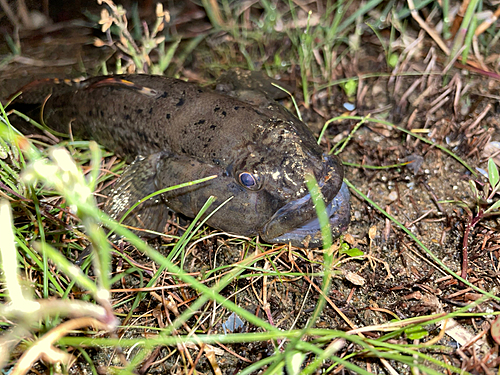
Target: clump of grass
486,204
136,55
62,174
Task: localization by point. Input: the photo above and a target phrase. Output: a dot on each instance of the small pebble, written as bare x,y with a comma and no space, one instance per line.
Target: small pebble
349,106
393,196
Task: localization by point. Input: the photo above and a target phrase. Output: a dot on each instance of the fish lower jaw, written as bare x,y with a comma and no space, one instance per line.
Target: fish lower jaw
309,234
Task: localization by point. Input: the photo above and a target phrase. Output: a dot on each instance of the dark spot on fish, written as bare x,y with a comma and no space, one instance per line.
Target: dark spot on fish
216,161
168,116
164,95
143,136
224,113
216,109
127,117
236,107
212,127
102,113
90,113
150,110
180,102
200,91
258,112
139,111
182,150
200,122
205,145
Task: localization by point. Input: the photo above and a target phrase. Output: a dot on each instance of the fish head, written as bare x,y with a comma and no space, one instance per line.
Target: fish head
262,182
276,201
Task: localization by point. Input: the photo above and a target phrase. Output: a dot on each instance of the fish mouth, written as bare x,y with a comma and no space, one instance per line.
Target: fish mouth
309,234
297,222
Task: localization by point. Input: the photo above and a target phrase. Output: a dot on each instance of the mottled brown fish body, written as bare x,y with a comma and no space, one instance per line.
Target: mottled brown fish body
182,132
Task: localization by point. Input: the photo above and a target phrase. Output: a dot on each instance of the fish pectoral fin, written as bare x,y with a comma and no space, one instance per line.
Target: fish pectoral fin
136,183
181,169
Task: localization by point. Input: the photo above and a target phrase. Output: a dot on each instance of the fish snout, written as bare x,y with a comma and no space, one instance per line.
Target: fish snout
297,222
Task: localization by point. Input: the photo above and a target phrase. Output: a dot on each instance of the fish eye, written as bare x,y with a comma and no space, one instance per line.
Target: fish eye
248,180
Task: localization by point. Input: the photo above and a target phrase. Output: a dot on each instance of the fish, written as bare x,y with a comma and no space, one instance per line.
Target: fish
174,132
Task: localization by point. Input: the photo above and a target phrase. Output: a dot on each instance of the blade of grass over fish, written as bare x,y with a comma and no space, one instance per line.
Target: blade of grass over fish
19,141
299,115
326,234
9,178
442,148
39,126
320,207
409,233
102,258
170,188
202,223
190,231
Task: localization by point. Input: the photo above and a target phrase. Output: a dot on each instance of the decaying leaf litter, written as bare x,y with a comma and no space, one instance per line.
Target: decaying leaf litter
380,272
